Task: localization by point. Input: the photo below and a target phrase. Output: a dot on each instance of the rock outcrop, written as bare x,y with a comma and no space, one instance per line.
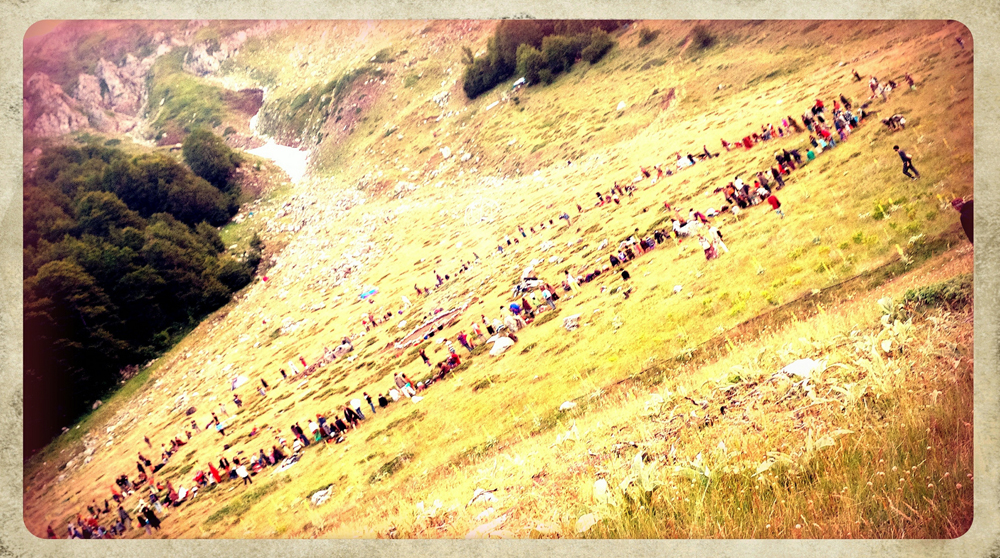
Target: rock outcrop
48,111
109,101
125,86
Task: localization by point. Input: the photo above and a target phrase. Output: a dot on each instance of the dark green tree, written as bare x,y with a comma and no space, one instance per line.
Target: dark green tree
210,158
529,62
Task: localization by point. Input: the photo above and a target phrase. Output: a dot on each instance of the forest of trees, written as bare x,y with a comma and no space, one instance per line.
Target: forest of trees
536,49
121,258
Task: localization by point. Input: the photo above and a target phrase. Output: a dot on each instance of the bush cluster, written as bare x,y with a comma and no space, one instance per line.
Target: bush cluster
535,49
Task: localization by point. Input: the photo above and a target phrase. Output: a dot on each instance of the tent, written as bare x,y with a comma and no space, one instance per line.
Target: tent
238,381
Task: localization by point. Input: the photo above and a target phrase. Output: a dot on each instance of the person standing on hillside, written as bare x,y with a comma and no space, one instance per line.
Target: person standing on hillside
777,178
964,208
351,417
907,163
125,517
423,356
547,297
356,405
464,340
151,518
574,285
775,204
368,398
241,472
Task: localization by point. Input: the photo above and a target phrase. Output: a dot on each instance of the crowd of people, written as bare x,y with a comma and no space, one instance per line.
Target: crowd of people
531,298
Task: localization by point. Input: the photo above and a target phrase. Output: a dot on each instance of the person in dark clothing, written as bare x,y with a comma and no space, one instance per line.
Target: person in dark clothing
276,453
846,101
151,518
907,163
263,383
382,401
340,425
351,416
297,431
423,355
143,522
368,398
777,178
964,208
125,517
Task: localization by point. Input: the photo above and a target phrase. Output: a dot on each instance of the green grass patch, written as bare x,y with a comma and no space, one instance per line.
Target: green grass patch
390,467
953,293
242,503
547,317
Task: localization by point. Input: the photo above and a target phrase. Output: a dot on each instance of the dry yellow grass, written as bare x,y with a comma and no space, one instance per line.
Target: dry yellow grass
502,435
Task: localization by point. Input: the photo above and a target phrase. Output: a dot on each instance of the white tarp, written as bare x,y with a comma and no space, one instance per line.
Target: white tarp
238,381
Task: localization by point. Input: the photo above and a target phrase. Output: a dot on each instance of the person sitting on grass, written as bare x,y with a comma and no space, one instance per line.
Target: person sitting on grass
276,455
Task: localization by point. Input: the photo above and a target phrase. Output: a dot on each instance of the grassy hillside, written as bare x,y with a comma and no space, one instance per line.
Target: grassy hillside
877,445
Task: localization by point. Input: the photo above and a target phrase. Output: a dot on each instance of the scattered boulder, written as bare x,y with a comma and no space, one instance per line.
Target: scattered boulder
501,345
482,495
585,522
320,497
803,368
486,528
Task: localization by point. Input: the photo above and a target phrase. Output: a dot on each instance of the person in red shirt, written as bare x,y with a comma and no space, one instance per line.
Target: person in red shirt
776,205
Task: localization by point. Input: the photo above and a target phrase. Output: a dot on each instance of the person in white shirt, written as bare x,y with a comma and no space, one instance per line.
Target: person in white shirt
356,405
241,471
